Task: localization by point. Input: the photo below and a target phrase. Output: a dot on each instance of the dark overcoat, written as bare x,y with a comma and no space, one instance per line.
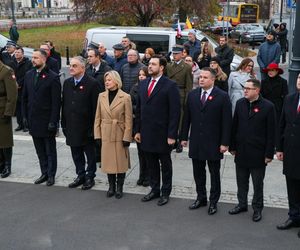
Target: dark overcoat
289,137
53,64
41,102
275,89
157,116
79,105
253,133
210,124
99,74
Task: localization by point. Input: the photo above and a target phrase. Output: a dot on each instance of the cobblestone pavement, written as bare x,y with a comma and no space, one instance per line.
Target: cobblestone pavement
25,169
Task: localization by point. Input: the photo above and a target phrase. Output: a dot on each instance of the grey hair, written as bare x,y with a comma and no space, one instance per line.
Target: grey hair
136,52
81,60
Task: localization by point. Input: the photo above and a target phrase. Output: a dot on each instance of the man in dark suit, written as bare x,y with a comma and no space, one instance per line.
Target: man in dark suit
181,73
288,151
208,113
80,95
157,117
252,143
50,62
23,65
41,108
54,54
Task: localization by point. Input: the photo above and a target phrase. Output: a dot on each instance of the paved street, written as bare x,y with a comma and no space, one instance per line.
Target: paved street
41,218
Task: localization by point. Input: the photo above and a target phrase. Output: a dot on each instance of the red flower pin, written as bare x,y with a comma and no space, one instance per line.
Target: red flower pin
43,76
81,87
256,110
210,98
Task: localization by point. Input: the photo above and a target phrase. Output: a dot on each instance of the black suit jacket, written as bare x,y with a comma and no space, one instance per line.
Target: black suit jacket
210,124
41,102
79,105
52,64
157,116
99,74
289,137
253,136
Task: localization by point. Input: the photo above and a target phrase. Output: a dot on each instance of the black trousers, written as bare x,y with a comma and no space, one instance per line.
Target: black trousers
144,172
155,162
242,178
45,148
200,179
79,154
293,190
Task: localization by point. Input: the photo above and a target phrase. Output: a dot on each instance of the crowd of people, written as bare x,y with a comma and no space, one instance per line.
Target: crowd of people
193,100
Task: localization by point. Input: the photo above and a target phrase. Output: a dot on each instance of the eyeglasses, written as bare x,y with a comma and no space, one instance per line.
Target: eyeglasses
247,89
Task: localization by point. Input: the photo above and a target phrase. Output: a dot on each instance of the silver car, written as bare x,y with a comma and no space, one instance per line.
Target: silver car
248,33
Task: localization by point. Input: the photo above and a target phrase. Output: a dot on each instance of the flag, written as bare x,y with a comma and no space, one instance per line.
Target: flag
188,23
178,29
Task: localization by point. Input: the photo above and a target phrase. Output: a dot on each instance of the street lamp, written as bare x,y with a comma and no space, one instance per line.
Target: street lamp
294,68
13,11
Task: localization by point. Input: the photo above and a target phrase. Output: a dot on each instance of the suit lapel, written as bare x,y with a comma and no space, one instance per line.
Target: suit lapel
156,89
256,108
117,100
209,99
105,102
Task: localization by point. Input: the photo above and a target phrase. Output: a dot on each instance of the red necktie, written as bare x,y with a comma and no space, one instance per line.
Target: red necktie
151,86
298,109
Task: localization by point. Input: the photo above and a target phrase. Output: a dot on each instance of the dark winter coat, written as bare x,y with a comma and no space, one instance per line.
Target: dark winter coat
157,116
225,54
253,133
129,75
119,62
275,89
99,74
269,52
41,102
79,105
289,137
209,124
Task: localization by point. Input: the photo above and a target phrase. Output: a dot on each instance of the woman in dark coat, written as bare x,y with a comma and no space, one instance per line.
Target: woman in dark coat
274,87
144,174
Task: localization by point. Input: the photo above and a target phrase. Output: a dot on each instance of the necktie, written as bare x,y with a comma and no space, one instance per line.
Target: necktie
36,78
298,109
94,71
203,98
151,86
250,108
76,82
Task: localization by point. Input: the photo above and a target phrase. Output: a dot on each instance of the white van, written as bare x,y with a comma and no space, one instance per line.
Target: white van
160,39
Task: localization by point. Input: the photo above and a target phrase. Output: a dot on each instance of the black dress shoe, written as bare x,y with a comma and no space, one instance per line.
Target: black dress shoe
198,203
163,200
50,181
212,209
237,210
256,216
19,128
77,182
287,225
88,184
25,130
139,182
41,179
146,183
150,196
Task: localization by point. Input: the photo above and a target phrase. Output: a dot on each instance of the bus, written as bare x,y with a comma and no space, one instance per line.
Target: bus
239,13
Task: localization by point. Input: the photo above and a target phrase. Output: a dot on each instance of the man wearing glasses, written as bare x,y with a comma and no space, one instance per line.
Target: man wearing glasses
252,144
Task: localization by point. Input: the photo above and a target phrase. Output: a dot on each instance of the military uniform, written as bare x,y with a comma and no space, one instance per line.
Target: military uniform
8,100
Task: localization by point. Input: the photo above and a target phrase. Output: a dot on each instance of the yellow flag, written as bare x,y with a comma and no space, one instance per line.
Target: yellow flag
188,23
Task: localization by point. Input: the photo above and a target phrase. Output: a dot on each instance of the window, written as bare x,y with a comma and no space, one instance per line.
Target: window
160,43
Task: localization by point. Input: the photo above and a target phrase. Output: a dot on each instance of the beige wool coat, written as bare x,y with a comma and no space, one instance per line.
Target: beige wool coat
113,124
8,100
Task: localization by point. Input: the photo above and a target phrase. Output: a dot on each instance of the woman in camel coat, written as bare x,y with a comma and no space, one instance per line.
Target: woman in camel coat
113,126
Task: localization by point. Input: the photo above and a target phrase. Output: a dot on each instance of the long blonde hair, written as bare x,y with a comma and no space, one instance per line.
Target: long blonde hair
210,51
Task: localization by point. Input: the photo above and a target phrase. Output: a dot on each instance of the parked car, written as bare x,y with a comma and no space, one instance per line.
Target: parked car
220,27
248,32
27,51
160,39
